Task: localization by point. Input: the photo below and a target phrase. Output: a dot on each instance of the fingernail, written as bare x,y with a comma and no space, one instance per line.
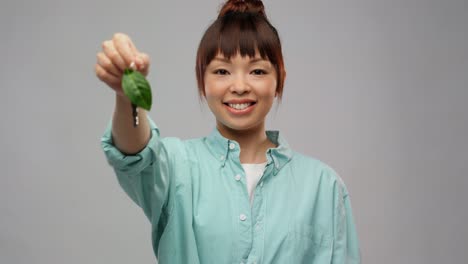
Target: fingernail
132,65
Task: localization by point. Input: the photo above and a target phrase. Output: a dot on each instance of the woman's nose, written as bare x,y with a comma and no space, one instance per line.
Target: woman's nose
240,85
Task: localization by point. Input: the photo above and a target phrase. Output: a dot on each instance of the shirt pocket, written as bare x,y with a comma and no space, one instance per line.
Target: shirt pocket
309,244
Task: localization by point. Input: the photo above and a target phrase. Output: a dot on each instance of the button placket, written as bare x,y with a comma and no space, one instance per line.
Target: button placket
258,226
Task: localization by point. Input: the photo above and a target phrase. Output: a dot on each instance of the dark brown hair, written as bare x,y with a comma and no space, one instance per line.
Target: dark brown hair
241,26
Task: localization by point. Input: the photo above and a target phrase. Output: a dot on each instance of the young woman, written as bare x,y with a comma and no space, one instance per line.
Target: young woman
240,194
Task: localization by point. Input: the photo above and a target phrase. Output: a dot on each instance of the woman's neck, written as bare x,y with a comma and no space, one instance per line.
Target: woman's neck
253,142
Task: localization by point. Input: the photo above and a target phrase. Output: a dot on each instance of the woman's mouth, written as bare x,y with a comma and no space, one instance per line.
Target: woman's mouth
240,109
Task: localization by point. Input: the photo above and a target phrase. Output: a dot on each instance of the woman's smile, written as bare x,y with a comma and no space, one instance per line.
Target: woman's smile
240,109
240,106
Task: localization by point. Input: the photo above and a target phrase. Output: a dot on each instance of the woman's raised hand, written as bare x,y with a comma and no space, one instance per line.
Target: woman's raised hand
118,54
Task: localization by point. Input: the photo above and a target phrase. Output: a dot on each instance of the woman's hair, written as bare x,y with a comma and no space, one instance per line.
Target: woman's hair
241,26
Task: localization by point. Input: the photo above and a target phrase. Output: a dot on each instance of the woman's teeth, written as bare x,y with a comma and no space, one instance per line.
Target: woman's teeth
240,106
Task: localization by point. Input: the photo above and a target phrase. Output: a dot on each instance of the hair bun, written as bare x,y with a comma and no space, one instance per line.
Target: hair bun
243,6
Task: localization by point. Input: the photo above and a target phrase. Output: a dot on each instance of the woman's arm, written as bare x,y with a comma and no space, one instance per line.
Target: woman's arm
117,55
127,138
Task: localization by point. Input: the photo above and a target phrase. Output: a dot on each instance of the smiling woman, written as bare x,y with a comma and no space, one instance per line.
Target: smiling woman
240,93
240,194
242,28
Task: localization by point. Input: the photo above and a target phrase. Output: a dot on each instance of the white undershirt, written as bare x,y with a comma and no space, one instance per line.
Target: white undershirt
253,174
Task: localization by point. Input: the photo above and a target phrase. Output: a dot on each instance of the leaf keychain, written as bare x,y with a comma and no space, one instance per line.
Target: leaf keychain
138,90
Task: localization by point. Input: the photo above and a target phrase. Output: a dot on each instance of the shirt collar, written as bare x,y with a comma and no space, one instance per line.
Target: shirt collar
222,147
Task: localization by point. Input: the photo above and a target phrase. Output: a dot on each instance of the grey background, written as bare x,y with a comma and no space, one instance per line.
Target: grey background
377,89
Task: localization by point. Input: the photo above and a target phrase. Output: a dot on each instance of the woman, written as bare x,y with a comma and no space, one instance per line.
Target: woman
240,194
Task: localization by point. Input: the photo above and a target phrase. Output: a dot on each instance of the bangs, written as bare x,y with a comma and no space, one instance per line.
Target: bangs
239,33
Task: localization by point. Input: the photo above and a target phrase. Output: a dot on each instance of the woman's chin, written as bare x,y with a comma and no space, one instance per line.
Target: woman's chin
238,125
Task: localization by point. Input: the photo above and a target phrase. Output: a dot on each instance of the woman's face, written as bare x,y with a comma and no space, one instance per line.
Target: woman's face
240,91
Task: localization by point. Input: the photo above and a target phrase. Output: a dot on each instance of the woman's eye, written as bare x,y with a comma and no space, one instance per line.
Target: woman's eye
258,72
221,72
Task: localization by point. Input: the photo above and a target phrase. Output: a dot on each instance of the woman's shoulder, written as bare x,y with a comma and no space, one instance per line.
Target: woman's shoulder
193,148
301,159
312,168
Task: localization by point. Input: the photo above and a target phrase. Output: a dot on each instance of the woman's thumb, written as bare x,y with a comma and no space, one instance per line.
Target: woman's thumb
142,61
139,62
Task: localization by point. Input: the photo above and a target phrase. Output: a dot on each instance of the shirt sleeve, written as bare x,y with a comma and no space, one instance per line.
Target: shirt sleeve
346,244
146,176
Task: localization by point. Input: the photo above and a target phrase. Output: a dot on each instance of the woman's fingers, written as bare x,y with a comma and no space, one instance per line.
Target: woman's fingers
107,64
111,80
124,46
117,55
111,52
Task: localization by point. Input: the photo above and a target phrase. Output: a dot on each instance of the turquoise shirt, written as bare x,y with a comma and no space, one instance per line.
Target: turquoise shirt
195,196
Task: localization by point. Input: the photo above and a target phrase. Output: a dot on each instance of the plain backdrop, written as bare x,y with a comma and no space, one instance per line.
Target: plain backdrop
376,89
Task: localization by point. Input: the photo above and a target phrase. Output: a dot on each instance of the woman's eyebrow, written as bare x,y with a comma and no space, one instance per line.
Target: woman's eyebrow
222,59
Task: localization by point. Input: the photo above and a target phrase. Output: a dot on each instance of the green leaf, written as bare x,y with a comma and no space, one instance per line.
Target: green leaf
137,88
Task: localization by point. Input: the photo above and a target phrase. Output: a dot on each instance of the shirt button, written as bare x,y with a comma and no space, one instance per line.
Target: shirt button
232,146
238,177
242,217
261,184
222,157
